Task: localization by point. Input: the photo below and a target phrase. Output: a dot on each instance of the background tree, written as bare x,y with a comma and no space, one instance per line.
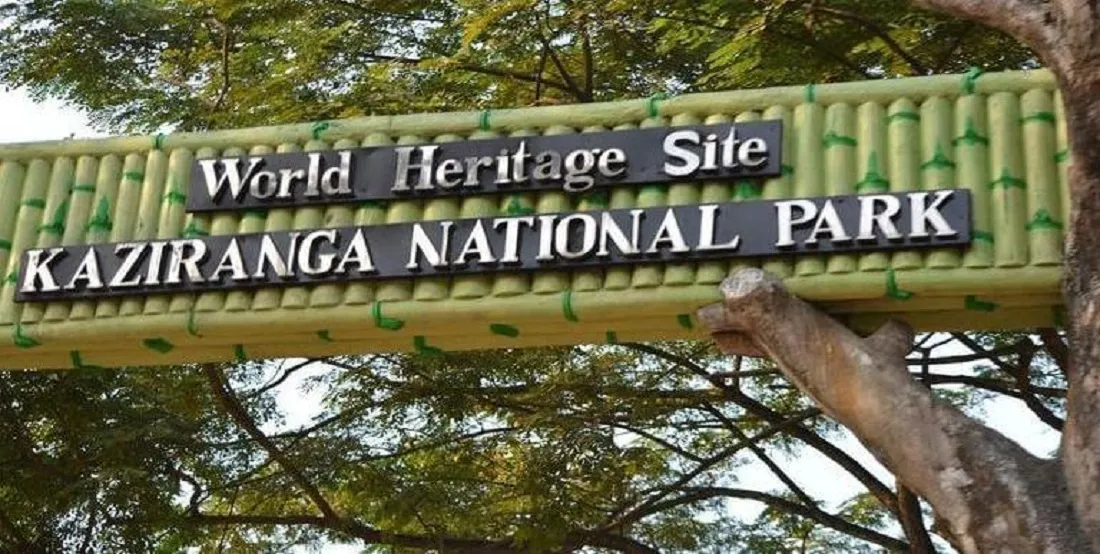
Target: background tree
992,495
630,449
137,65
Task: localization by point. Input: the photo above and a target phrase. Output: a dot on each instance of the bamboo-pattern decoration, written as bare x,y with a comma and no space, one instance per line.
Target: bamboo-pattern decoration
1003,137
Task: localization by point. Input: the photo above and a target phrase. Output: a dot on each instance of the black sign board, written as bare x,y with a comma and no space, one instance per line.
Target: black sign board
574,163
490,244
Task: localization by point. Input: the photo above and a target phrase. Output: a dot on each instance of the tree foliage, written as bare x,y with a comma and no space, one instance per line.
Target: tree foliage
139,65
633,448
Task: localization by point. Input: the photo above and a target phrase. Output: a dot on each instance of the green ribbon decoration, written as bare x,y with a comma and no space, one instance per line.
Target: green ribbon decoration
970,136
5,245
810,93
192,230
893,290
383,322
873,180
325,335
483,120
504,330
239,353
786,170
970,80
567,306
1007,181
158,141
101,219
903,115
1046,117
984,236
1061,157
84,188
56,226
651,108
747,190
158,344
192,325
420,344
975,304
134,176
611,337
23,341
13,277
34,203
78,361
685,321
318,128
176,196
939,161
599,198
515,207
832,139
1043,220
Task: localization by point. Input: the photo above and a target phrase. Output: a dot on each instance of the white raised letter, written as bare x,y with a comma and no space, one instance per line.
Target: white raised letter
690,161
706,231
422,245
923,213
868,219
787,222
38,269
669,232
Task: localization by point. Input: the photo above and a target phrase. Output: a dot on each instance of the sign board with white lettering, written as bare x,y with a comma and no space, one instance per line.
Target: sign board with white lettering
573,163
519,243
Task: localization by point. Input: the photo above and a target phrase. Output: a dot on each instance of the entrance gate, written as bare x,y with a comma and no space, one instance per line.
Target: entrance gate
997,140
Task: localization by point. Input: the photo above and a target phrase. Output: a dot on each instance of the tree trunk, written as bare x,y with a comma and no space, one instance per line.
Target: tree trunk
1081,288
990,494
993,495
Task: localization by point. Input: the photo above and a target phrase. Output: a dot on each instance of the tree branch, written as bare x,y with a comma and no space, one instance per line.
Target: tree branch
980,482
800,432
809,512
362,532
509,545
236,410
808,41
227,37
372,11
955,45
280,379
576,90
474,68
1019,371
909,515
9,528
763,457
1056,347
643,508
589,68
992,385
1023,19
915,65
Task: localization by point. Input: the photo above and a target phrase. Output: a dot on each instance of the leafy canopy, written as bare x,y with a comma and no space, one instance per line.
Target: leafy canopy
138,65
